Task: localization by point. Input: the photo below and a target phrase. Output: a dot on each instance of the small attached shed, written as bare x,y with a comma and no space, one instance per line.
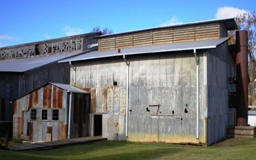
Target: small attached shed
52,112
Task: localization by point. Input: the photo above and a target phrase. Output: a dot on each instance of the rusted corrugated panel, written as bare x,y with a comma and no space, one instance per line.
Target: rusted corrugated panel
19,126
55,97
116,99
33,100
62,130
15,108
60,98
47,96
31,138
122,101
105,99
49,130
109,106
93,100
87,89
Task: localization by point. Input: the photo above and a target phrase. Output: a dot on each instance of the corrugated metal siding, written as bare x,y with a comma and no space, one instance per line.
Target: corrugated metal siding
167,35
41,130
8,92
34,79
15,85
80,125
219,69
166,79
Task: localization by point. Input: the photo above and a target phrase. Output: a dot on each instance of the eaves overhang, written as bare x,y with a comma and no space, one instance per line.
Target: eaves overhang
170,47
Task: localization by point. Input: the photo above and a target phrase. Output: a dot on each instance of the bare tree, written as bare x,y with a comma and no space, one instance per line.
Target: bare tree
104,31
247,21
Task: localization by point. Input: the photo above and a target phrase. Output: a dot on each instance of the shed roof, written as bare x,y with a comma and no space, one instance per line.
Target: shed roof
69,88
169,47
26,64
230,24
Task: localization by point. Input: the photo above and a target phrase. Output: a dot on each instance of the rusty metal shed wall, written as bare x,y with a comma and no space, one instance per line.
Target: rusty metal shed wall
48,97
165,79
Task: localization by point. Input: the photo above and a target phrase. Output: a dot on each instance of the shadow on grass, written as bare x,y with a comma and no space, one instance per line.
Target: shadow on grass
98,150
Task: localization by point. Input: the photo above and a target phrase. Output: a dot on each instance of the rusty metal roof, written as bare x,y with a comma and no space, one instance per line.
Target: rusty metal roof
170,47
26,64
69,88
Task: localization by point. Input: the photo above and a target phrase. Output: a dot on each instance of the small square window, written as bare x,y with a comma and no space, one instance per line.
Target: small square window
44,114
33,114
55,114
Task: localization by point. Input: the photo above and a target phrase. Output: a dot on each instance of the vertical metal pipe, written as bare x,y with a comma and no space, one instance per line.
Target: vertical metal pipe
242,77
127,96
127,101
197,103
69,114
74,71
197,95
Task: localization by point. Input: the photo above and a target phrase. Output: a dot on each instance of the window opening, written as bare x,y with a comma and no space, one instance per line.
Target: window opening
44,114
33,114
55,114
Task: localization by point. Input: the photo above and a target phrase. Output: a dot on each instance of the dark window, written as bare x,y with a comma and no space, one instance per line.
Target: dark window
2,109
55,114
44,114
33,114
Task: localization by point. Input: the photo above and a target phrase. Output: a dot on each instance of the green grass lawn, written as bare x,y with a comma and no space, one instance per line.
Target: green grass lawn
228,149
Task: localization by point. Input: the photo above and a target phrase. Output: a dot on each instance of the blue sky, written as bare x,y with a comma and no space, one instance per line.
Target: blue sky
24,21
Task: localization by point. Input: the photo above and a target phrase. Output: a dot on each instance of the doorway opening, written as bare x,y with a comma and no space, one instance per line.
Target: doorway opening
97,125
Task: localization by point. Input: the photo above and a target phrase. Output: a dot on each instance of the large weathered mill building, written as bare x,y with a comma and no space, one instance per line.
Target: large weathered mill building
26,67
166,84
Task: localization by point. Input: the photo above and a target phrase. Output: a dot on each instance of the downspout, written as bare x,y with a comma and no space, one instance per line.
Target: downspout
69,114
74,71
197,95
127,96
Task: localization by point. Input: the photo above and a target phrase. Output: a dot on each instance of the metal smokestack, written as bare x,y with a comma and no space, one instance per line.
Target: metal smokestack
242,77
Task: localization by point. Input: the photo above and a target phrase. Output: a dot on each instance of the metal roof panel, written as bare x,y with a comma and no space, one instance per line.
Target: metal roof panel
26,64
170,47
